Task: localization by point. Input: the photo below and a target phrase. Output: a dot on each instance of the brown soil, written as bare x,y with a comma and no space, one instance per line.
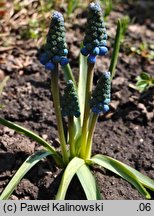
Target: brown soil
126,133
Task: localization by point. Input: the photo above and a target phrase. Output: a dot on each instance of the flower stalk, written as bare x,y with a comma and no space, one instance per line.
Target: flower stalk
56,101
93,122
71,136
86,109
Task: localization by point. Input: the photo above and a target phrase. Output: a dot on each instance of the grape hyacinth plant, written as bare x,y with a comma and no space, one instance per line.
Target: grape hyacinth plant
81,106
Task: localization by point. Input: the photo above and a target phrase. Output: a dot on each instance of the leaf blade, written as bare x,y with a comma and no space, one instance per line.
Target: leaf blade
82,84
24,168
120,169
69,172
90,187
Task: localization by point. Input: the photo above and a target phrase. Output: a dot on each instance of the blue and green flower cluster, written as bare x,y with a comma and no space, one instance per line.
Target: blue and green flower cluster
95,35
55,47
69,101
101,95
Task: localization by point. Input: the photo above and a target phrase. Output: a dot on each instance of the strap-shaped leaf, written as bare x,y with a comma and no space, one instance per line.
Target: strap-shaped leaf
32,135
116,49
88,183
24,168
145,180
68,174
122,170
82,84
68,73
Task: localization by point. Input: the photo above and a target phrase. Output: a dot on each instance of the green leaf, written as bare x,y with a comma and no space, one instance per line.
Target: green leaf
69,172
144,76
141,83
90,187
146,181
122,170
24,168
82,84
81,95
33,136
116,49
152,81
27,133
72,4
68,74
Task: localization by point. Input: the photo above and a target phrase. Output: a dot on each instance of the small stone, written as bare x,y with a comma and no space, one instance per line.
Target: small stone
45,136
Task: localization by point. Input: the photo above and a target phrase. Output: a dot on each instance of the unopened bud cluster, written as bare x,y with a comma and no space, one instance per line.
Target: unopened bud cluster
55,47
69,101
95,35
101,95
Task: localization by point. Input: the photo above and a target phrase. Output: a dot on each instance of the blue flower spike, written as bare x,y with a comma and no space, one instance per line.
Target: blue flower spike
95,34
55,48
100,99
69,101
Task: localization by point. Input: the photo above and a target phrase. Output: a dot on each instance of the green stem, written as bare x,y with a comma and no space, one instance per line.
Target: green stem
71,135
116,49
68,74
86,109
56,101
94,118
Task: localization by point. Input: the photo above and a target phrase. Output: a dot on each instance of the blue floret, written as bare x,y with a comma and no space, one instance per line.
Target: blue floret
107,101
65,51
44,58
57,16
84,51
95,6
56,59
91,59
101,108
49,66
105,108
77,114
95,51
95,110
64,61
107,75
103,50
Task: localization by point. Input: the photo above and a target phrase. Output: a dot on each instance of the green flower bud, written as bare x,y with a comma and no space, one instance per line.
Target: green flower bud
101,95
69,101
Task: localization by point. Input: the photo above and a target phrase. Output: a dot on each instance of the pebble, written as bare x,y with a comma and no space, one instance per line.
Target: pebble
2,75
45,136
